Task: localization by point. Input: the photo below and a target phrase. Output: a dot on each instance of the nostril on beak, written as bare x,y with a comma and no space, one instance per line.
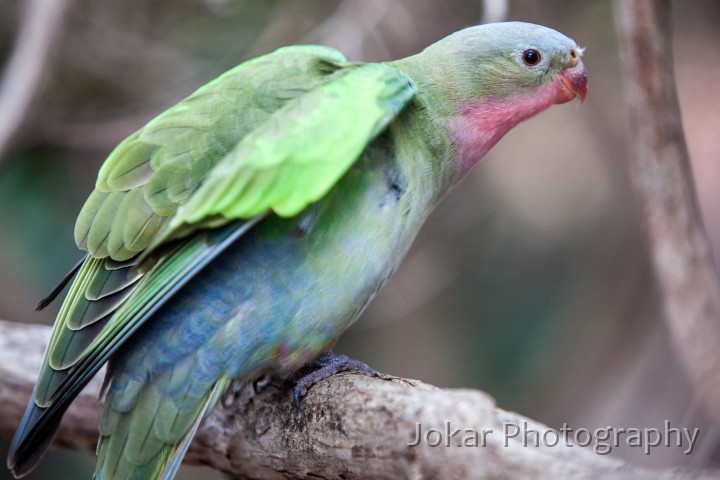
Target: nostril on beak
574,57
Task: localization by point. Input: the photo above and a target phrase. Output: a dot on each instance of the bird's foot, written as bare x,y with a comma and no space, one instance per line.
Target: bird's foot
326,365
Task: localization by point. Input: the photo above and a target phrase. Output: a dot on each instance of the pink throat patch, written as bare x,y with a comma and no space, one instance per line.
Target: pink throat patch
479,124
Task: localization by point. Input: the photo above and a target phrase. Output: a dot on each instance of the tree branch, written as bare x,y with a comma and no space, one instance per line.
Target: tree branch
23,75
494,10
354,426
661,174
351,426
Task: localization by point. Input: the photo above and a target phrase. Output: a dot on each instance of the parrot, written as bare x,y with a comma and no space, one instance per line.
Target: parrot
240,232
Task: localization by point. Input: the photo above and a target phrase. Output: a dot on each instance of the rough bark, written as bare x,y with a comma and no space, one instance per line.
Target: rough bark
355,426
661,173
350,426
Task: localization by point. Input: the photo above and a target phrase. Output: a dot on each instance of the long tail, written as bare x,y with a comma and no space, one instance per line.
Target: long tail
148,440
32,439
79,347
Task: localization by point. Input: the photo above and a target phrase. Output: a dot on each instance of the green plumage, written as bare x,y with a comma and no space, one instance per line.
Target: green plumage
293,158
156,169
244,229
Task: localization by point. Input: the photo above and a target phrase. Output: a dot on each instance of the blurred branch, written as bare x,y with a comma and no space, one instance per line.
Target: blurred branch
351,426
41,23
349,26
494,10
661,174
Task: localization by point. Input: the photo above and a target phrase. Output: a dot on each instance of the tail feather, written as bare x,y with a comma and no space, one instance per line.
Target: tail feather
74,356
175,460
33,436
142,443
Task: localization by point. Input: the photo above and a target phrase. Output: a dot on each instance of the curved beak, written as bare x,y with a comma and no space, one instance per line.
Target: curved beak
574,83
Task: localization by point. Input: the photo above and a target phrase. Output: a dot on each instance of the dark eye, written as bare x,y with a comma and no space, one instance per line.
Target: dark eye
531,57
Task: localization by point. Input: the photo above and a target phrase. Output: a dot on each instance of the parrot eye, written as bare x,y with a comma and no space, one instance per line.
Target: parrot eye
531,57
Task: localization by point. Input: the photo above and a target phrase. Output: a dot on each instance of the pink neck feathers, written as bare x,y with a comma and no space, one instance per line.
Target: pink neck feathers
480,123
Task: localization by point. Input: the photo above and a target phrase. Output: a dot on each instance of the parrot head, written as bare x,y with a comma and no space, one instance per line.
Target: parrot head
497,75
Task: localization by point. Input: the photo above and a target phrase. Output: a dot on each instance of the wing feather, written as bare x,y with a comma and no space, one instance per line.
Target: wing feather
273,135
294,157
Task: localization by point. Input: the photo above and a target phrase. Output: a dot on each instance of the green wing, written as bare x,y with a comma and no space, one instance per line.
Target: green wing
156,169
273,134
147,177
299,153
121,214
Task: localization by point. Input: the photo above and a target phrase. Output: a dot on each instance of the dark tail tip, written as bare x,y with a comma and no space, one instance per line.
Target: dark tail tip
31,440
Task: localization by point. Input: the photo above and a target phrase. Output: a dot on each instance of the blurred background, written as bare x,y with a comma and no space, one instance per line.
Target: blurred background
531,281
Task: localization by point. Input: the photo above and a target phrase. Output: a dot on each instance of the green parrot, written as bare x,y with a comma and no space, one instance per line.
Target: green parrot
243,230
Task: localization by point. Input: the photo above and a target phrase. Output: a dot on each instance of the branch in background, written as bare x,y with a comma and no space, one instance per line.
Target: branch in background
661,174
494,10
349,26
351,426
39,28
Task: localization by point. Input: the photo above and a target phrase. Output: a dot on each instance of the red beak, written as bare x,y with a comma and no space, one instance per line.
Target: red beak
574,83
